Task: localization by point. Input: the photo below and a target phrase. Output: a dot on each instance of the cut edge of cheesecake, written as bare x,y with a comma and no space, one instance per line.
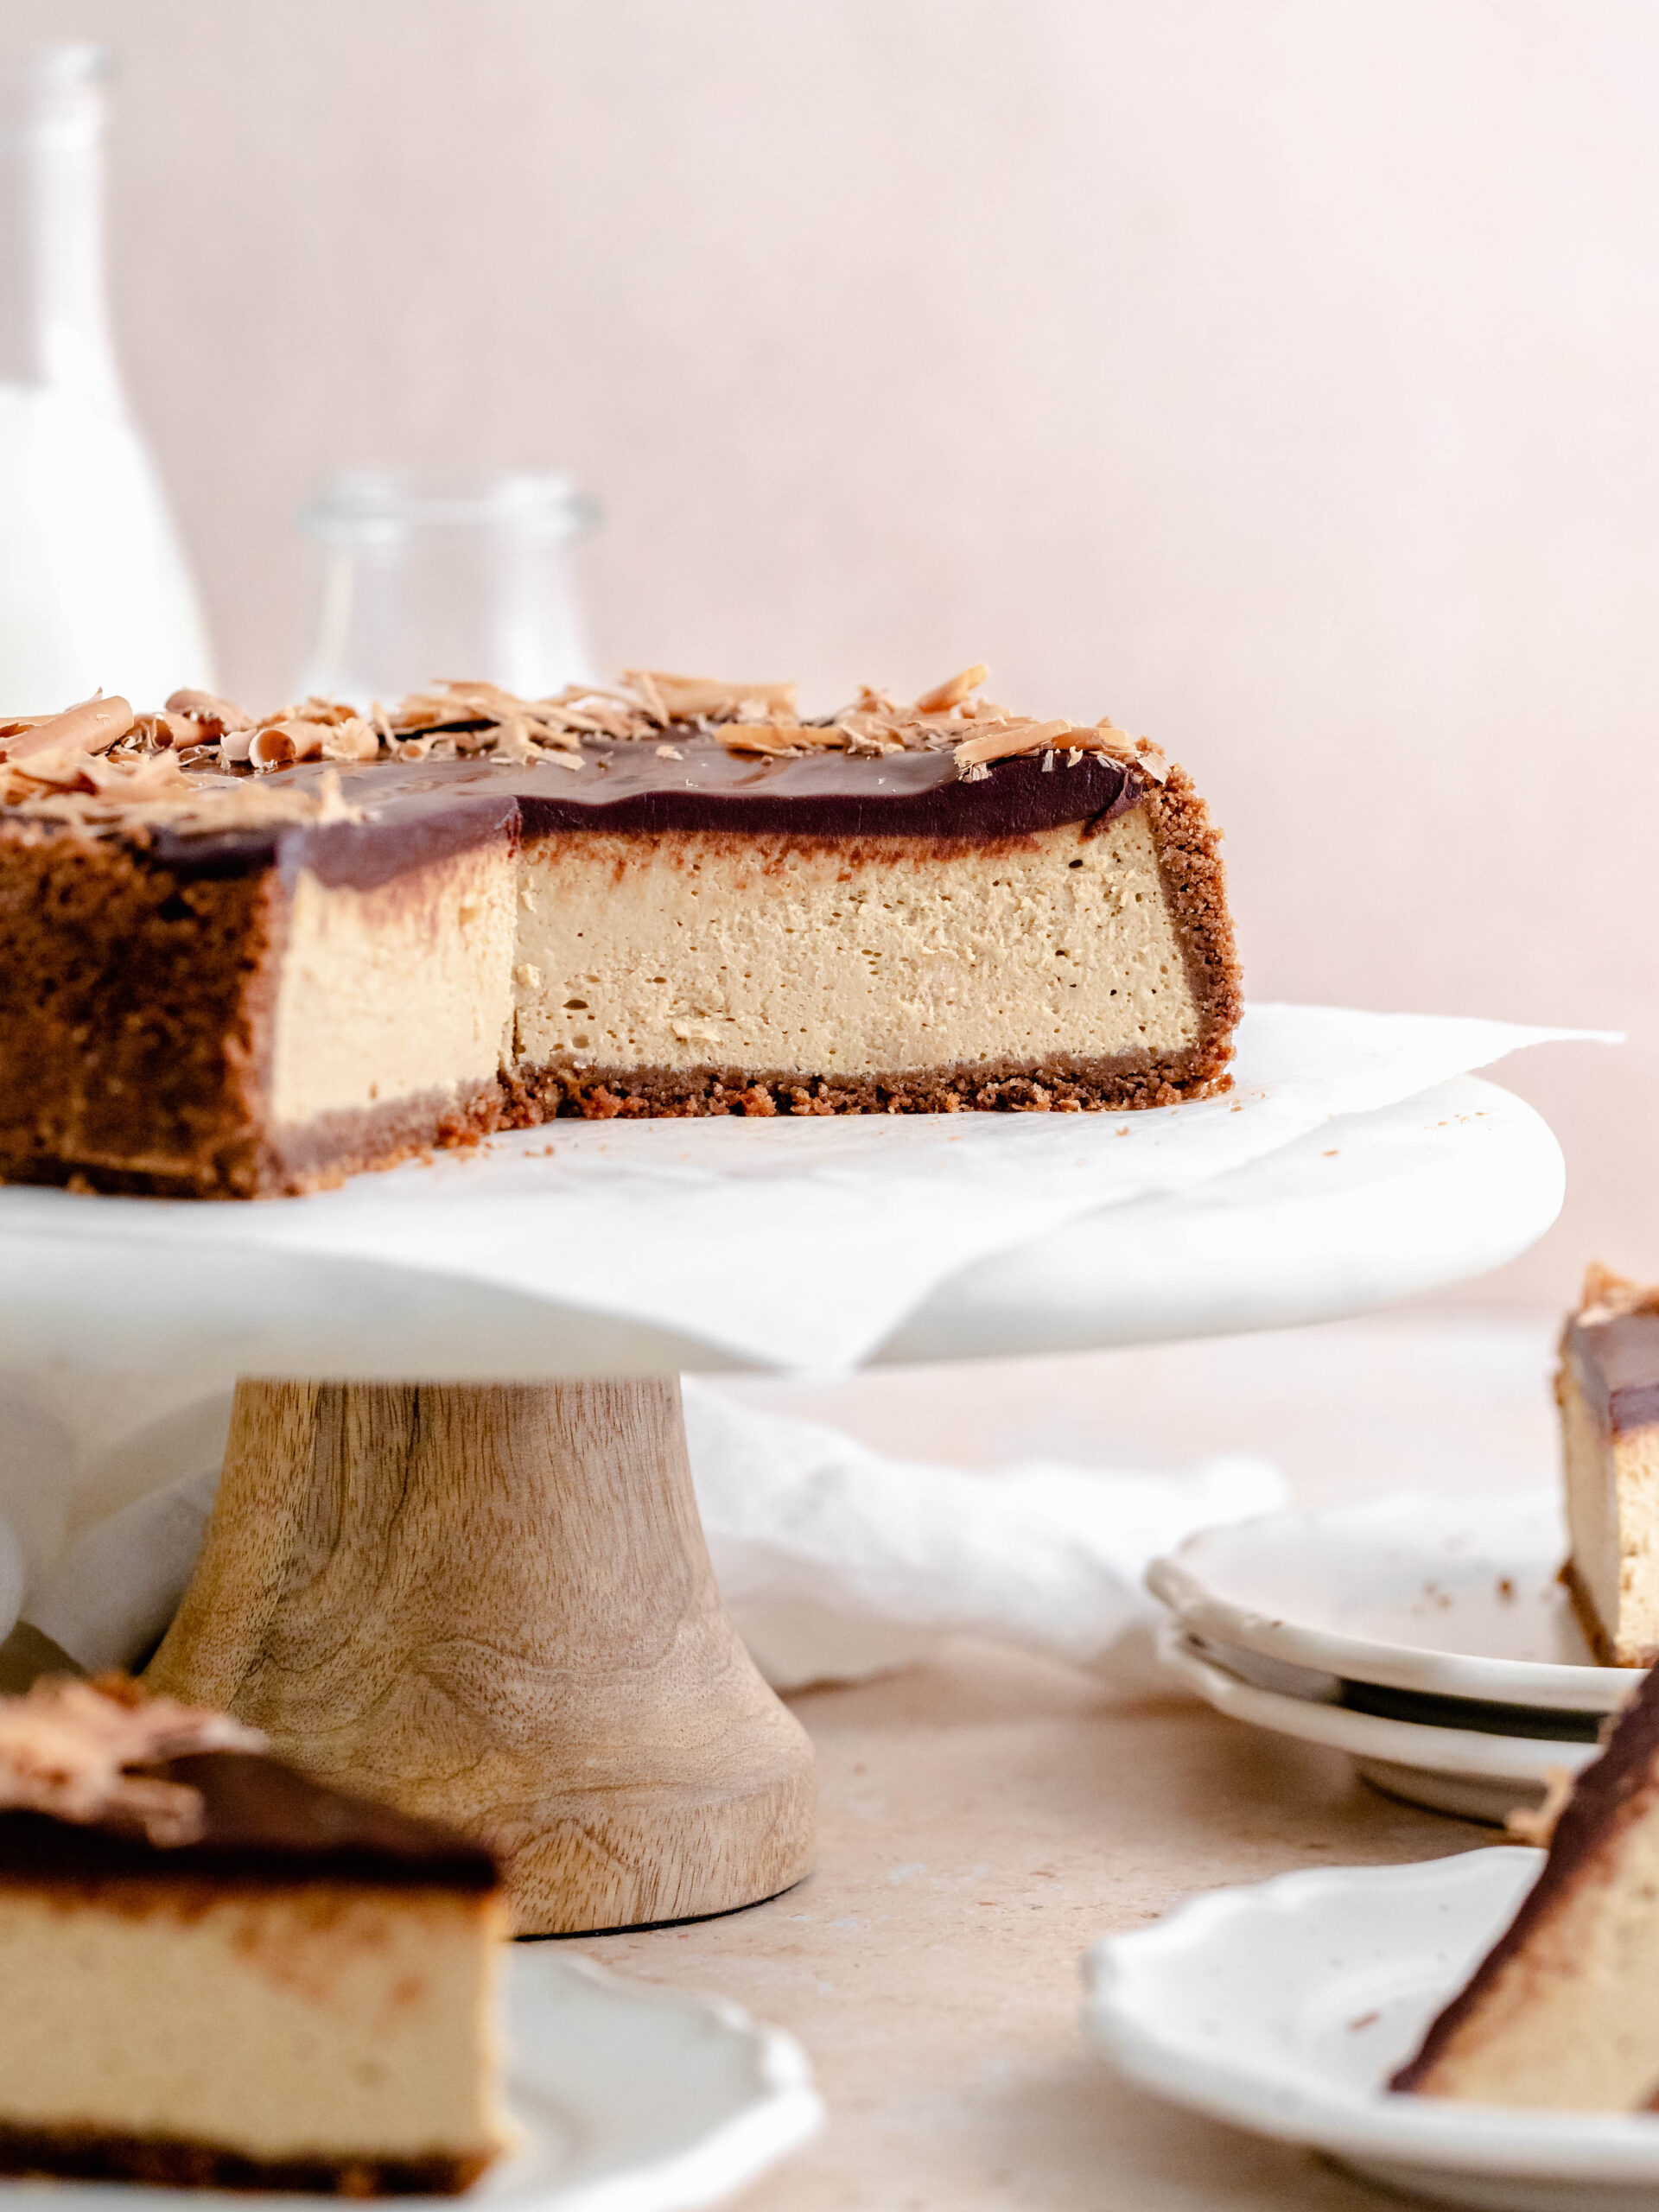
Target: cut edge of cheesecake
1607,1394
1562,2013
255,1030
1190,1062
220,1974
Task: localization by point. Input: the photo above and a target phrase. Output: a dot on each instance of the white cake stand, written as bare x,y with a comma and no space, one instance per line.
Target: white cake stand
466,1573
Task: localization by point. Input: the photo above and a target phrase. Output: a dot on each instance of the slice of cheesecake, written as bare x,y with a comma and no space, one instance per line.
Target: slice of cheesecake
1563,2013
217,1974
1607,1388
236,960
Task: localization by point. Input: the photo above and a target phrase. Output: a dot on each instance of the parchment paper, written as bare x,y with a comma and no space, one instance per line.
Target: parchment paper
788,1242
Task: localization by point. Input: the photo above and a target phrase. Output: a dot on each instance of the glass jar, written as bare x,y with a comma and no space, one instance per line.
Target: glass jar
423,579
95,592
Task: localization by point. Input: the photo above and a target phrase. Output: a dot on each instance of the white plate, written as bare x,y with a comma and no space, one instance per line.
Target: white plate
1461,1770
1454,1597
630,2099
1481,1715
1284,2007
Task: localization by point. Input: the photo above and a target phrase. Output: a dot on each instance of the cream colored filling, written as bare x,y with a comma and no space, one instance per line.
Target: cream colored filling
689,952
395,992
1612,1512
698,952
1571,2023
323,2021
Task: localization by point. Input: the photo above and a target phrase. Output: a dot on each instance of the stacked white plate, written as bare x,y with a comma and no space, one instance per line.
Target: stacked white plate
1427,1635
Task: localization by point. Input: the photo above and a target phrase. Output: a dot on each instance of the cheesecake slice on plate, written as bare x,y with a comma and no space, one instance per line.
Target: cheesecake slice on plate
1607,1388
1563,2013
217,1974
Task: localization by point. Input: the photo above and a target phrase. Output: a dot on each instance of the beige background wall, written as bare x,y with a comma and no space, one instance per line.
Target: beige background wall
1278,374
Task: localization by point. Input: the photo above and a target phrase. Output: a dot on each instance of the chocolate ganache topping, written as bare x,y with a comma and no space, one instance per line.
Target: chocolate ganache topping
401,814
355,798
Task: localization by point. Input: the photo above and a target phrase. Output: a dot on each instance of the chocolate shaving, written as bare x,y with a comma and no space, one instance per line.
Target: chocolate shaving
693,698
779,737
1608,1296
952,693
67,1746
93,727
214,716
51,768
1012,738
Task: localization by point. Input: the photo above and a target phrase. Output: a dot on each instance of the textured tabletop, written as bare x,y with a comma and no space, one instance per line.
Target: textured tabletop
987,1814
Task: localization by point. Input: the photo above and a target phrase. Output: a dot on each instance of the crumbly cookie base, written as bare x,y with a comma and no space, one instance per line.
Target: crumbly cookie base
173,2162
318,1156
134,1009
1005,1087
325,1153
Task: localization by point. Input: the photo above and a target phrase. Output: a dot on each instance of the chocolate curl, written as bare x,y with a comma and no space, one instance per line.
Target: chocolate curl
943,696
93,727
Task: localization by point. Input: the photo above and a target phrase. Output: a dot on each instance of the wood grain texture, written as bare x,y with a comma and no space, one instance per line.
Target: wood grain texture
492,1603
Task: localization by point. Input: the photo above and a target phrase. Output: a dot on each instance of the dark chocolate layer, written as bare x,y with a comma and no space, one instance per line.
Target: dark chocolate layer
1619,1365
1620,1785
422,810
263,1821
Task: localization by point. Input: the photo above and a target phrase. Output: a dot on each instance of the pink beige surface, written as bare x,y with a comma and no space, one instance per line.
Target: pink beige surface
1277,377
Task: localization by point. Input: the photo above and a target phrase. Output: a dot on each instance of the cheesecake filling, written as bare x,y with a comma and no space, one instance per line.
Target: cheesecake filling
592,952
1560,2014
399,990
777,954
1590,1485
1609,1451
364,2013
1570,2023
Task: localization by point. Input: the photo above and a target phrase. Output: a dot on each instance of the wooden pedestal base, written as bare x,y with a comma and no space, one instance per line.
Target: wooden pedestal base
493,1605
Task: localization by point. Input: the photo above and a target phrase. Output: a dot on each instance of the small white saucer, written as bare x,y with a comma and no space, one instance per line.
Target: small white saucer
1449,1597
629,2098
1284,2008
1461,1770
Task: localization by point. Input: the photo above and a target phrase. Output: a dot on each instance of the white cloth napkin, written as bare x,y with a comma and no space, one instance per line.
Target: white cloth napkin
790,1242
835,1561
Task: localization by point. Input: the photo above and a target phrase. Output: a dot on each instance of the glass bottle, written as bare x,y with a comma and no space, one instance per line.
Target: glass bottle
94,590
425,579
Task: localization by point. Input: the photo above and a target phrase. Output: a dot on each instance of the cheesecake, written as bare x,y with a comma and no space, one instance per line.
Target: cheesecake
239,958
217,1974
1607,1390
1563,2013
